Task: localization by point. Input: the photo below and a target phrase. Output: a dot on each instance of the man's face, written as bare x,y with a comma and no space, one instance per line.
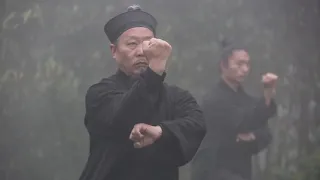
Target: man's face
128,50
238,66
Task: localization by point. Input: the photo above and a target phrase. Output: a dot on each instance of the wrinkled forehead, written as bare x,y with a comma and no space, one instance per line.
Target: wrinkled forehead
139,33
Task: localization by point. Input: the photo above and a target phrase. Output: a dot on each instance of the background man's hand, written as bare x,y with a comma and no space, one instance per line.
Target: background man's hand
157,52
246,137
269,83
144,135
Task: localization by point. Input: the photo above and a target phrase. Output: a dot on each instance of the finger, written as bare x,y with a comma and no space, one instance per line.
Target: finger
145,45
267,81
143,130
244,137
253,137
163,43
271,76
167,45
141,143
133,137
137,132
239,137
153,41
136,136
268,77
264,78
274,78
131,134
137,145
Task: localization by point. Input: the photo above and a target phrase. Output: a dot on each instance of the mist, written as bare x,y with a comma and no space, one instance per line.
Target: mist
51,51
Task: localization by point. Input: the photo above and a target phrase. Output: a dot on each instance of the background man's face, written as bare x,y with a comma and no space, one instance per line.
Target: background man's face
238,66
128,50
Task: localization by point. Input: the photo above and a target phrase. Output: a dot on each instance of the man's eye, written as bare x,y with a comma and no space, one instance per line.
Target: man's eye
132,43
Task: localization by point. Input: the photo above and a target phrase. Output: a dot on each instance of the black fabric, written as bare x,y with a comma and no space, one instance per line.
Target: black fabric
228,113
224,174
116,104
124,21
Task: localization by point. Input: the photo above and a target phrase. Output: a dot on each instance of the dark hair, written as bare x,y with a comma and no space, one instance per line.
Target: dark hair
227,50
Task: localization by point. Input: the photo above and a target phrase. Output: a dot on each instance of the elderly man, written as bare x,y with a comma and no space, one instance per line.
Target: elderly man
140,128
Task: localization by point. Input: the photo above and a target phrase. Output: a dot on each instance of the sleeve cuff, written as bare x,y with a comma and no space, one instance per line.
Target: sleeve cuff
268,111
152,79
167,137
165,133
263,138
257,135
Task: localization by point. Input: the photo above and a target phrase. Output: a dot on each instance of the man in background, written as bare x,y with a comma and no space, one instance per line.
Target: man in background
237,123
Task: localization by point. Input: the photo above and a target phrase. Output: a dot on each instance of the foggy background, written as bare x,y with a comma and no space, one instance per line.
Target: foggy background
51,51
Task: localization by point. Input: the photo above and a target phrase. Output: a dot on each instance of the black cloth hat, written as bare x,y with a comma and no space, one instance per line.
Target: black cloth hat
133,17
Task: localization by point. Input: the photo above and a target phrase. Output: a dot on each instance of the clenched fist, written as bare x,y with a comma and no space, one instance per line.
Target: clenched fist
246,137
269,83
157,52
144,135
269,80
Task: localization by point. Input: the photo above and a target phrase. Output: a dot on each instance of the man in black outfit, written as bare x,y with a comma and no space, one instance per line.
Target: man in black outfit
237,123
140,128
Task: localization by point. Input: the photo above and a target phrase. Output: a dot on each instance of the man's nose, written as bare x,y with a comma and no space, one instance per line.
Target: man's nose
245,68
139,50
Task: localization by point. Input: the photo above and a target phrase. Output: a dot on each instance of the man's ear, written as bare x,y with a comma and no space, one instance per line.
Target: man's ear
113,49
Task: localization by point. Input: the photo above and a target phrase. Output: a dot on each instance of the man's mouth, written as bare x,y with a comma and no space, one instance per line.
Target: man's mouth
141,64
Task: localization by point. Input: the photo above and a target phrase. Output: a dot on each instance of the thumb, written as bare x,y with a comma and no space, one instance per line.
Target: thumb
143,129
145,45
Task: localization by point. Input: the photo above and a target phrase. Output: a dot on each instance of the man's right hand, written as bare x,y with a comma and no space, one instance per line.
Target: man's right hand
246,137
144,135
157,52
269,83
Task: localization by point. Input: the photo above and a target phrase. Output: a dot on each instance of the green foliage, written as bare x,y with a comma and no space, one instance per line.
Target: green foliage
309,167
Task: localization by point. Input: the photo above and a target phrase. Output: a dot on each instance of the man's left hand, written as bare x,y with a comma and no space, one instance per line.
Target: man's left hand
144,135
246,137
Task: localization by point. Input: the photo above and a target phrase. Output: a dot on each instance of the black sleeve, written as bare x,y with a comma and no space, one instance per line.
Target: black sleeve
110,111
183,135
263,139
242,119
